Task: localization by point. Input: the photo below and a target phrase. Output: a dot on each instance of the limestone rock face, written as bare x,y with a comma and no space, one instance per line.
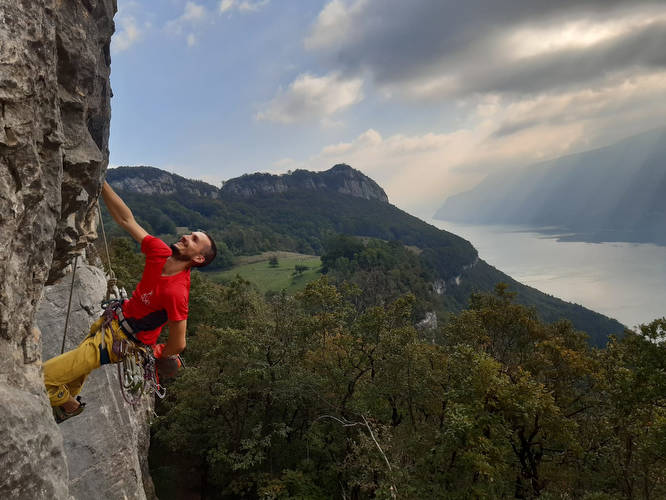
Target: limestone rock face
150,180
31,458
54,127
107,445
340,178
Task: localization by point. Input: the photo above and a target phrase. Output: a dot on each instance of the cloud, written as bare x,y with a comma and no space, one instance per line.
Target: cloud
128,33
334,22
196,14
638,99
241,6
525,80
311,97
193,14
443,48
419,171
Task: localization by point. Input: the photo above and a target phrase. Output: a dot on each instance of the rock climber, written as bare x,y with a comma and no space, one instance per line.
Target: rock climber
160,298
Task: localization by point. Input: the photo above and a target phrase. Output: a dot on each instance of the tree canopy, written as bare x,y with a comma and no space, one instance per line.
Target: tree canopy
321,395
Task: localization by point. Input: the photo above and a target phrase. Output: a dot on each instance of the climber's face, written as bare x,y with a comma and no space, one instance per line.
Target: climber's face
190,247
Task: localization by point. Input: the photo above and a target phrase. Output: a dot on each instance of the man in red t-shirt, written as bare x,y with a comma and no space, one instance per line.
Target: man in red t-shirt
160,298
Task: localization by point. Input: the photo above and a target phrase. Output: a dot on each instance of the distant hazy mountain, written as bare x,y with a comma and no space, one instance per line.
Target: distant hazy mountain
615,193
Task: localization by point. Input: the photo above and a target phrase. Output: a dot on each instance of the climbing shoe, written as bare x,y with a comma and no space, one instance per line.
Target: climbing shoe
61,415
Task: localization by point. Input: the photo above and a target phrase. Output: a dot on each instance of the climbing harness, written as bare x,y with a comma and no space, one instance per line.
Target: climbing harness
137,369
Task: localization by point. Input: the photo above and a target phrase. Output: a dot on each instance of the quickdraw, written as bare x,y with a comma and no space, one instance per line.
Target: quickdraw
136,372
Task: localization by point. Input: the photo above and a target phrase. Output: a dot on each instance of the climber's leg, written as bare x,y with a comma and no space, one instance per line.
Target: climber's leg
66,373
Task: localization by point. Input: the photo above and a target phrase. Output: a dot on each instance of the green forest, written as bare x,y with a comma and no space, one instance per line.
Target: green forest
307,221
338,392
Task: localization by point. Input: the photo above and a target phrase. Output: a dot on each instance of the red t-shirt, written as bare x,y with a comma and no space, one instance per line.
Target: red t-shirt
156,299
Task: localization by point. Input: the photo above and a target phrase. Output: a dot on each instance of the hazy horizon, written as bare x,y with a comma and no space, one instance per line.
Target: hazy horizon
425,97
621,280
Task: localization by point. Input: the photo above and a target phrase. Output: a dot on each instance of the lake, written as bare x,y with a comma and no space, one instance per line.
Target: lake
626,281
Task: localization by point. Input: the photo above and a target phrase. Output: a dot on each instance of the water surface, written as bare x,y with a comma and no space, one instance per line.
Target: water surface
626,281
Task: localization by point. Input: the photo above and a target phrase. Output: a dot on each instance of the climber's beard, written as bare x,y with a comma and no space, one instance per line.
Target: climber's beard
176,253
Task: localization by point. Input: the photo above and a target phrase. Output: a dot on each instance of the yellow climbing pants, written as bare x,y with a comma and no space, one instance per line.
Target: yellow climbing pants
64,375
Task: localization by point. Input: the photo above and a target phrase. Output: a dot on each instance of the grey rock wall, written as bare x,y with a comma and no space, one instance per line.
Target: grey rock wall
107,445
54,127
340,178
150,180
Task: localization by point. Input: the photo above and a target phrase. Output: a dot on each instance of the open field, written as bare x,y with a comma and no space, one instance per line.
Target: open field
257,269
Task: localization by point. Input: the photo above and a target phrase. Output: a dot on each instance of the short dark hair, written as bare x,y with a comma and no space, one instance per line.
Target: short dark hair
210,253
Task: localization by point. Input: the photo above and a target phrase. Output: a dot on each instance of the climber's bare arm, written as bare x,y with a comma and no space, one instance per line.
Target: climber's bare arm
122,214
176,341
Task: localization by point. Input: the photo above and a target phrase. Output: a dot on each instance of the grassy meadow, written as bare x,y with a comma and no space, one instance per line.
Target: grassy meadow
272,278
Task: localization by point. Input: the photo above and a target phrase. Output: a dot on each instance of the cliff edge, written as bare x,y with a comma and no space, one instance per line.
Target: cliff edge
340,178
54,131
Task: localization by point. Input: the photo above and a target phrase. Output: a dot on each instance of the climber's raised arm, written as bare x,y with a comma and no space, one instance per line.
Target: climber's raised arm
122,214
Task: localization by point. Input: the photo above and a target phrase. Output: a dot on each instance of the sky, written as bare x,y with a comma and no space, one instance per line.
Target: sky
424,96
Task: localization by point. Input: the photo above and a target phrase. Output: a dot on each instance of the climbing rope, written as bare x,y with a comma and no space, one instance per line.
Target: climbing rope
112,282
69,304
111,285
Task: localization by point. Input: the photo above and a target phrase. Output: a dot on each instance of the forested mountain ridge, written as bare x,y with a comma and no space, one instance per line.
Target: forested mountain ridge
302,220
340,178
613,193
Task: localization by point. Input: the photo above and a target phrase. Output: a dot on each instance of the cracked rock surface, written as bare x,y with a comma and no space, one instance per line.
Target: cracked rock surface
107,445
54,130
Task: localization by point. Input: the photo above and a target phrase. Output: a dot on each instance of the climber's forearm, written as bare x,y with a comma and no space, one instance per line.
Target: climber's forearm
176,341
121,213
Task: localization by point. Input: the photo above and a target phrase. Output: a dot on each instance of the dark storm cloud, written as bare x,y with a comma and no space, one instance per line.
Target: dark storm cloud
645,49
398,41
